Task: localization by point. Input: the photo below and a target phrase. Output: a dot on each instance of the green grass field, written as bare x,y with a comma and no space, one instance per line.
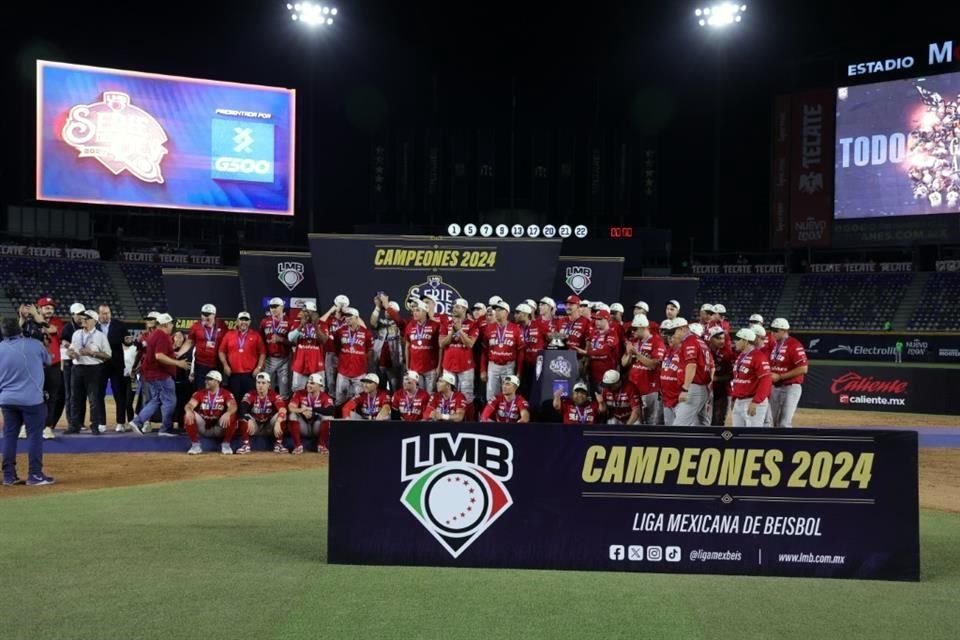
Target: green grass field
245,558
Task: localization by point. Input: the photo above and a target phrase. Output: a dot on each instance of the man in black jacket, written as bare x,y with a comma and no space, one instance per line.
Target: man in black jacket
115,330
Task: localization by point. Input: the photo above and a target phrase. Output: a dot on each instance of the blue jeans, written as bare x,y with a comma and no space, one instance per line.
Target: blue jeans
163,393
32,417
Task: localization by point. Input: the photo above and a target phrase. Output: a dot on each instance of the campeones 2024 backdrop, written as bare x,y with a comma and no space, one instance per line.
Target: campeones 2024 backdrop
106,136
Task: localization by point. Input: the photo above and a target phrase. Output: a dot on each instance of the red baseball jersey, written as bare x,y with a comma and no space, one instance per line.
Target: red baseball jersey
211,406
503,345
54,345
647,379
671,378
576,331
333,324
206,342
457,357
572,414
369,406
751,376
694,351
502,410
308,356
243,350
456,402
410,407
150,368
423,339
621,402
352,349
603,349
270,327
769,344
787,355
302,399
262,409
723,359
534,340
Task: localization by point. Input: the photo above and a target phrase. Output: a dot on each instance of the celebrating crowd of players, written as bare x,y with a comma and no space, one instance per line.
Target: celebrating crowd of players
297,369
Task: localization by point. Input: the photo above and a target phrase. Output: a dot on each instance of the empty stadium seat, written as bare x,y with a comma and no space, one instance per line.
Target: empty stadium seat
742,295
146,282
938,305
66,281
848,301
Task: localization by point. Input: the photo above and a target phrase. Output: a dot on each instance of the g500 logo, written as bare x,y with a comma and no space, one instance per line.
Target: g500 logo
242,150
456,488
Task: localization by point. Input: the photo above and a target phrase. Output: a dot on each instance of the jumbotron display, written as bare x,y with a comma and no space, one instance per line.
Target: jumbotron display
106,136
898,148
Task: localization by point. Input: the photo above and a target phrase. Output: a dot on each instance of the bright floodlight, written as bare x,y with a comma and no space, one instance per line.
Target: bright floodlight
312,14
720,15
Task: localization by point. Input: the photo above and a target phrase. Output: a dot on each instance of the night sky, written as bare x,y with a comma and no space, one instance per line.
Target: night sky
641,67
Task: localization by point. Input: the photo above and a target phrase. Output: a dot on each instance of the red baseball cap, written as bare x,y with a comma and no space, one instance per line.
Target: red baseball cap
42,302
603,314
573,300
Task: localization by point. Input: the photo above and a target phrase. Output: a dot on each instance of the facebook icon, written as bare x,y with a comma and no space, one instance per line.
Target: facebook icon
616,552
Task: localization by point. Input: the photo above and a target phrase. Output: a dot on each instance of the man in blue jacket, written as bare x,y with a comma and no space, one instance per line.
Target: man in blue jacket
22,402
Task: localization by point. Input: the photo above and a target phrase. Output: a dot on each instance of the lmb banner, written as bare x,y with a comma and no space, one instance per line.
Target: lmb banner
361,266
811,502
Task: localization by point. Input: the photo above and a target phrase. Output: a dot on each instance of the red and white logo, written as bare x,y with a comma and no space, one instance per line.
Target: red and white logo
121,136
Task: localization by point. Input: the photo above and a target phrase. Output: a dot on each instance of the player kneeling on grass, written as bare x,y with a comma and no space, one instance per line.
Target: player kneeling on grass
309,410
373,403
580,410
447,404
507,406
211,412
264,412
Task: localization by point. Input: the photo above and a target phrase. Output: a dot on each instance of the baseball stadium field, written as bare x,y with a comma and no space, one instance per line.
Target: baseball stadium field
171,546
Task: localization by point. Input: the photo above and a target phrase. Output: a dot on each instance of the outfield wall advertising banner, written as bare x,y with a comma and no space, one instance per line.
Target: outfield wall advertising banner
810,502
189,289
881,347
360,266
901,389
107,136
273,274
596,278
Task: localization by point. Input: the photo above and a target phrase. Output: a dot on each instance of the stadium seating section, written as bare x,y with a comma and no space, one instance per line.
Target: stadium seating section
939,303
67,281
146,282
849,300
742,295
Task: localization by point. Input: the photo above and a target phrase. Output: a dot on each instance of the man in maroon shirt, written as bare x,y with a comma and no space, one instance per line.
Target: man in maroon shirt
354,351
507,406
242,354
534,341
421,339
410,402
52,374
503,350
204,338
275,328
644,353
157,370
458,347
723,358
333,319
602,348
372,403
696,375
789,366
751,384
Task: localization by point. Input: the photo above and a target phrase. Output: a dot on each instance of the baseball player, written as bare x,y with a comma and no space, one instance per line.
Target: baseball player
242,355
671,373
333,320
602,348
575,327
410,402
507,406
263,412
458,342
308,337
707,315
372,403
621,401
388,340
211,412
697,370
275,329
788,366
751,384
447,404
723,359
616,319
641,308
204,338
354,349
310,410
503,350
756,325
534,340
422,345
672,310
581,409
479,313
643,355
548,316
722,317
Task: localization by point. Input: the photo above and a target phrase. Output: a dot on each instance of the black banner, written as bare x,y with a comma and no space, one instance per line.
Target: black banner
896,231
866,387
592,278
189,289
472,268
657,291
824,503
881,347
274,274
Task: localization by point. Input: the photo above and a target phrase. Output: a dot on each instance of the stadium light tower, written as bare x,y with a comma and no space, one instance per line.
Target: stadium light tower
312,14
719,17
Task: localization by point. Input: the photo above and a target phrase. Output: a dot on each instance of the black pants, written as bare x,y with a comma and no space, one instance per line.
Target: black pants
721,402
68,390
86,381
53,393
128,389
239,384
114,375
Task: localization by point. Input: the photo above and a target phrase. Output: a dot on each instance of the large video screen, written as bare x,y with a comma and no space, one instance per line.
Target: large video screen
898,148
106,136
